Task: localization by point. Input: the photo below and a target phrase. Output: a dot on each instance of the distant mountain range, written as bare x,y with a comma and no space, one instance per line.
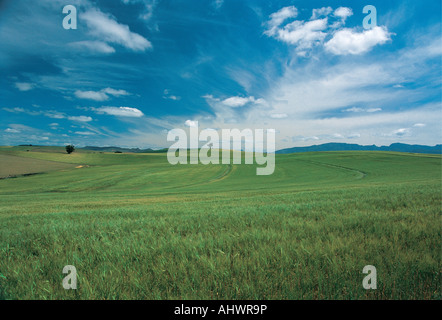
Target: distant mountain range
397,147
121,150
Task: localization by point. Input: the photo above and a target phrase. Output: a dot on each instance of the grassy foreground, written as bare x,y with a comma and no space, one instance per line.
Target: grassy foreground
136,227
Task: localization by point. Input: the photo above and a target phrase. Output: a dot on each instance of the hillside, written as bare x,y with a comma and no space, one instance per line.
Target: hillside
136,227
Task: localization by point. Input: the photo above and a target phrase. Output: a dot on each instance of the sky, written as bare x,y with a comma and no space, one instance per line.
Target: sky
134,69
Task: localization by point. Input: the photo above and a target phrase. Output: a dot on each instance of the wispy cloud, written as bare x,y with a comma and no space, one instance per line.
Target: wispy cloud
53,114
10,130
278,115
237,102
24,86
101,95
80,118
149,6
355,109
93,47
91,95
120,111
106,28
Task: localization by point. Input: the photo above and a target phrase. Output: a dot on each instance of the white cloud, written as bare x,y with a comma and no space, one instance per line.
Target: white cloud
120,111
343,13
210,97
85,133
355,109
373,109
54,114
101,95
348,41
24,86
47,113
401,132
10,130
91,95
190,123
236,102
115,92
169,96
106,28
304,35
302,138
277,18
80,118
322,12
419,125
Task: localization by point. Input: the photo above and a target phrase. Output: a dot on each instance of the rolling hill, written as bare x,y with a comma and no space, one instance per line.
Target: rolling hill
136,227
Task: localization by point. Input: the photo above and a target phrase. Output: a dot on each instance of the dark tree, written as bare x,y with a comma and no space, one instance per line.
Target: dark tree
70,148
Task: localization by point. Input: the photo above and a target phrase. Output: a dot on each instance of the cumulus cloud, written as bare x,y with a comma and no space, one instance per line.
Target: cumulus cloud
349,41
120,111
106,28
305,35
322,12
343,13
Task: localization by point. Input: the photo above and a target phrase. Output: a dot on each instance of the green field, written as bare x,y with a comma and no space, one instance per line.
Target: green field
136,227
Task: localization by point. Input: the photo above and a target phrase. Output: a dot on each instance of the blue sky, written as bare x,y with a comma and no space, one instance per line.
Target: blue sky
134,69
